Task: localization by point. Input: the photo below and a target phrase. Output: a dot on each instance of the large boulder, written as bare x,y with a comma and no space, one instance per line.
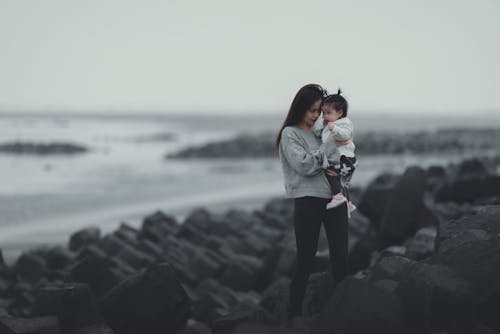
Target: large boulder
469,189
405,211
478,263
36,325
374,199
276,298
435,297
73,303
390,267
2,261
320,285
212,301
151,302
241,272
470,168
30,267
479,225
157,226
357,306
423,244
95,270
243,312
84,237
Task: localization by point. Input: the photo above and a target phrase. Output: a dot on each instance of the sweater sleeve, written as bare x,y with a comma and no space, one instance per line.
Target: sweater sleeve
318,126
343,130
300,159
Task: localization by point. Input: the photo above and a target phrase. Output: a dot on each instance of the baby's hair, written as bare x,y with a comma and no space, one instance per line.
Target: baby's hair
338,102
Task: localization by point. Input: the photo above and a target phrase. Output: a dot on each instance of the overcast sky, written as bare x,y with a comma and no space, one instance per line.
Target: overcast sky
230,55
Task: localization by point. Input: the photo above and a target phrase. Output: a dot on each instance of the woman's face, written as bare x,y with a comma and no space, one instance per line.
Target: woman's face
311,114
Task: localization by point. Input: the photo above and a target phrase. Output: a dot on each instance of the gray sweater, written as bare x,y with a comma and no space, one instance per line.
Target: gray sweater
303,158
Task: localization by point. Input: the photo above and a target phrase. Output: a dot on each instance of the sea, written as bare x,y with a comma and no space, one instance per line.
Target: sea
126,174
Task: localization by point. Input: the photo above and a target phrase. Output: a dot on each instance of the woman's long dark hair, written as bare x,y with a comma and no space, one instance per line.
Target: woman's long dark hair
304,99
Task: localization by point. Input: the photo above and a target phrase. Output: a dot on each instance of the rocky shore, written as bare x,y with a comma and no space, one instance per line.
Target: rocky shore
424,258
41,148
369,143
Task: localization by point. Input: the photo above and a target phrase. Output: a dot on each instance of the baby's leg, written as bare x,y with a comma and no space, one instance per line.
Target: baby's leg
334,182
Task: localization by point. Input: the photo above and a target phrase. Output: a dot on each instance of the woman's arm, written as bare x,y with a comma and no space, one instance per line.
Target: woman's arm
303,161
318,126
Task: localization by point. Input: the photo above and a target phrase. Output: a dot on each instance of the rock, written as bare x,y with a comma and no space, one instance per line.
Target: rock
84,238
435,297
3,266
390,267
100,328
469,189
196,226
357,306
195,327
38,325
275,299
213,301
280,207
57,258
30,267
242,272
423,244
405,212
464,237
360,256
374,199
477,262
135,258
388,285
128,234
111,245
73,303
150,302
94,270
41,148
470,168
244,312
151,248
157,226
240,146
273,220
485,219
319,287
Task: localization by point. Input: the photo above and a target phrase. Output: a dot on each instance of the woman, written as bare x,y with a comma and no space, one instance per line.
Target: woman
302,154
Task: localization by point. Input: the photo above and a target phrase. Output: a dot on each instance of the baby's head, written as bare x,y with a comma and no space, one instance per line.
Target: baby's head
334,107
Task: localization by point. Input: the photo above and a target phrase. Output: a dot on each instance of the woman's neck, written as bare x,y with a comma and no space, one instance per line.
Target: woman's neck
304,126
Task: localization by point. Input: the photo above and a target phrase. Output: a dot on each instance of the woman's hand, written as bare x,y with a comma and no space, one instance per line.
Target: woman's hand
331,172
338,142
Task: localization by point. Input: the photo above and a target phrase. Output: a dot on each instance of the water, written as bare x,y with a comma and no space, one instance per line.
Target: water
125,175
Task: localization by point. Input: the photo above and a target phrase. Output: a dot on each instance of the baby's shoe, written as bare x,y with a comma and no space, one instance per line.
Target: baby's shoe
337,200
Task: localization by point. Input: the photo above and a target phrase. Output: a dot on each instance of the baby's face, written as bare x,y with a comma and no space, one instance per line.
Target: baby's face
330,114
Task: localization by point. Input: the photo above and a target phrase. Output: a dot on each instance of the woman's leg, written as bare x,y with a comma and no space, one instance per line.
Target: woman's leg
336,228
308,214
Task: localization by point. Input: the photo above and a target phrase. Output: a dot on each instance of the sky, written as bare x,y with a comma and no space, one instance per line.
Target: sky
433,56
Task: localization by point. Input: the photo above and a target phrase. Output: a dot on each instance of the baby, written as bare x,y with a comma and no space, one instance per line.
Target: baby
334,122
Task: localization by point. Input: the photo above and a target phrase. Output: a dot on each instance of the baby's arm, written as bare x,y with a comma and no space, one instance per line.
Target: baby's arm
343,130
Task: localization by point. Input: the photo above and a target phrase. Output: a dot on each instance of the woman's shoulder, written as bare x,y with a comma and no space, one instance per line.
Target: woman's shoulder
290,131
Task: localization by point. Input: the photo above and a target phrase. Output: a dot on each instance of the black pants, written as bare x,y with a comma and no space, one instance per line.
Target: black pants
345,168
309,213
